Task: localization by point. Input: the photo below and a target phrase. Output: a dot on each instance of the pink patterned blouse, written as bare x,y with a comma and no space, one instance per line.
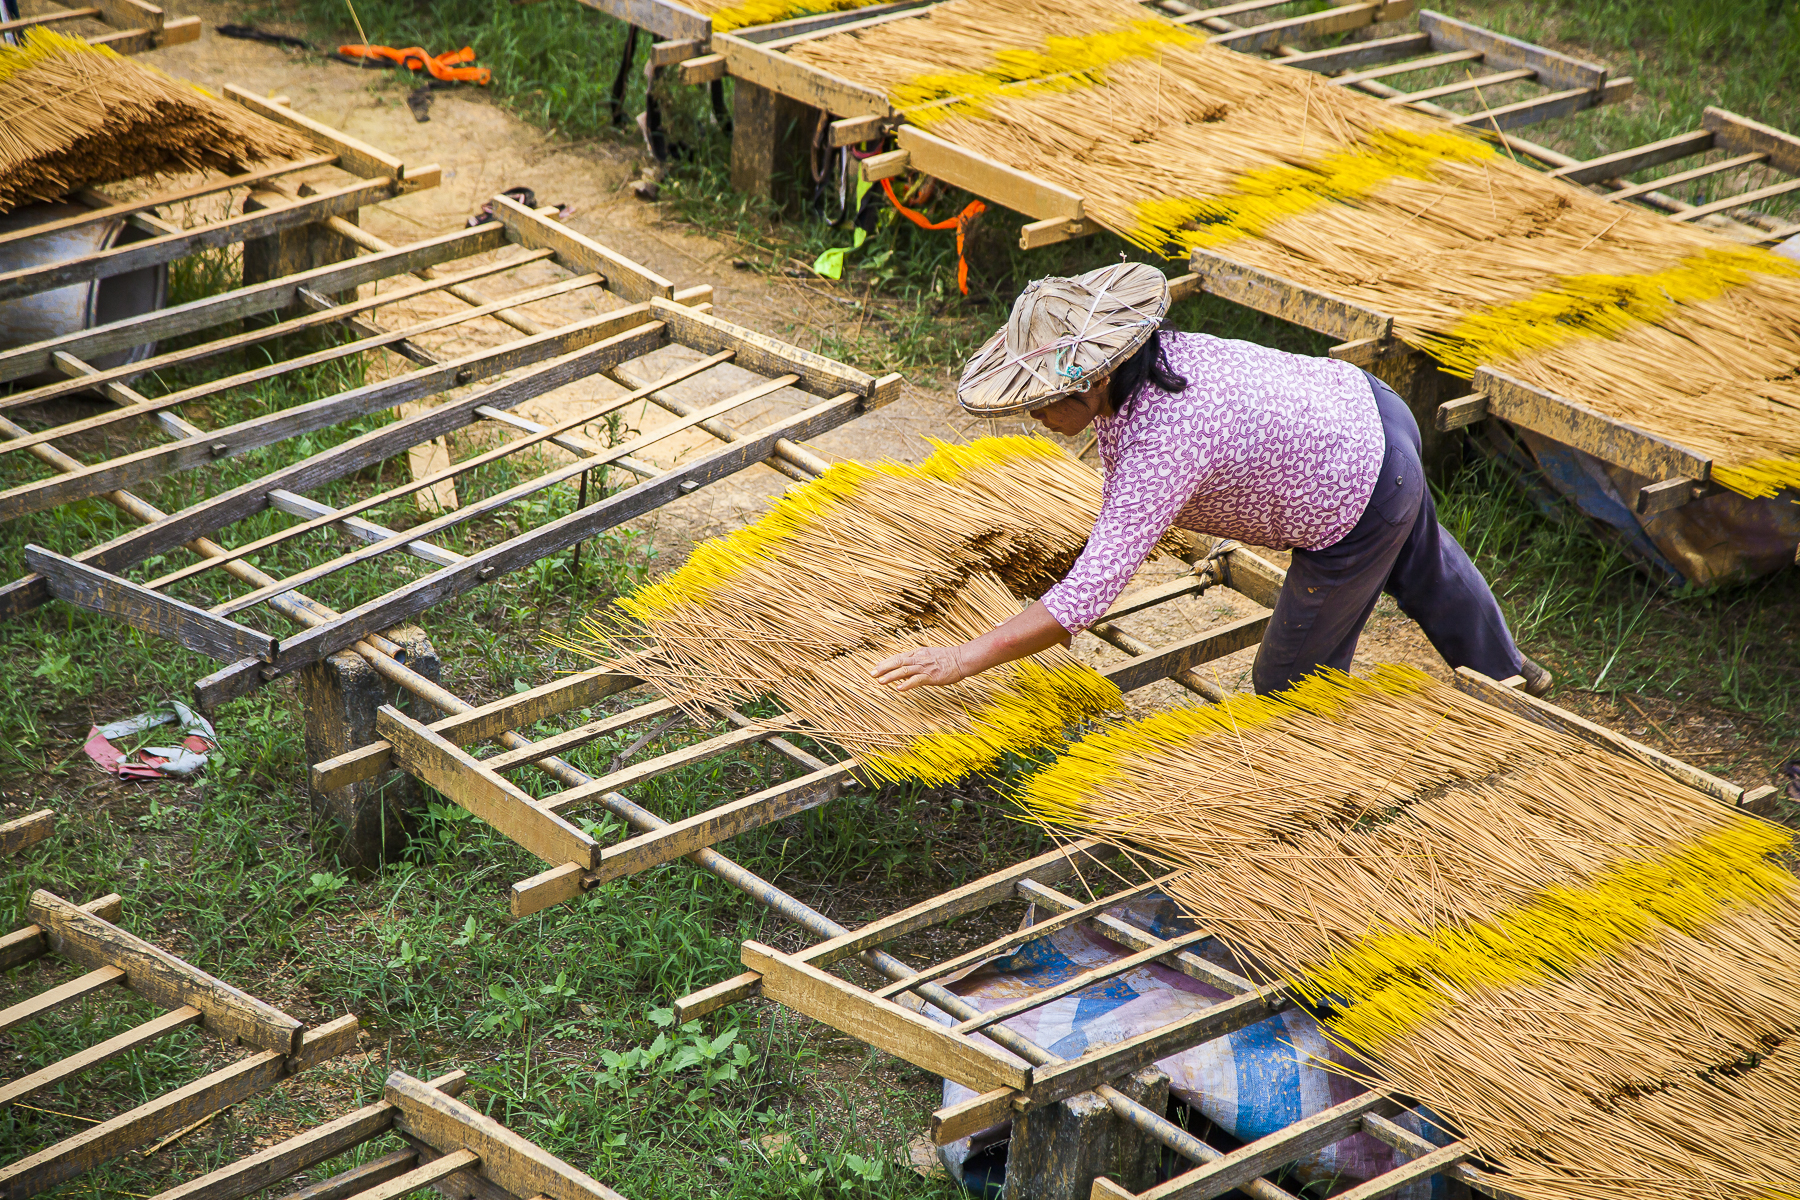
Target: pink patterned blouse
1271,448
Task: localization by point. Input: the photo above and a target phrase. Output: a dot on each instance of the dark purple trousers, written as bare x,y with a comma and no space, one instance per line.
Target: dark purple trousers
1396,547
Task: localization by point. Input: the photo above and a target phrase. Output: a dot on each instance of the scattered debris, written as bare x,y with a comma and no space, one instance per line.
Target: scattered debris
419,100
742,264
922,1157
645,189
523,195
1790,770
250,33
154,762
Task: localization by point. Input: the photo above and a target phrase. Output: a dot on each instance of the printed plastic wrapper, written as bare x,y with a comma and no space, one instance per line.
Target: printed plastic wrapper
154,762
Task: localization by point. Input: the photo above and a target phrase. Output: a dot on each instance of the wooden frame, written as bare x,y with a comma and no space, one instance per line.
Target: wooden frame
645,314
442,1143
435,752
279,1044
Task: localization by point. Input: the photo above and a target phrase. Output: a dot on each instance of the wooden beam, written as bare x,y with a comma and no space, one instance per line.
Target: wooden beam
1543,108
1389,70
664,18
422,1176
889,165
322,1043
26,943
512,1162
779,35
998,182
761,353
1543,712
1471,84
182,1107
27,830
957,1121
1050,232
1292,302
581,735
578,253
67,1068
708,68
1460,413
1423,1167
1497,50
161,978
272,1164
133,256
1668,495
660,764
51,999
1359,54
1626,162
1701,172
1743,136
883,1024
1738,201
138,606
1202,647
1606,438
667,54
854,131
790,77
453,772
358,158
1331,20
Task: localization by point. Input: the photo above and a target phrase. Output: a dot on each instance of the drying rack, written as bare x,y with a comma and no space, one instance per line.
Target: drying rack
131,26
438,752
443,1144
1016,1079
279,1045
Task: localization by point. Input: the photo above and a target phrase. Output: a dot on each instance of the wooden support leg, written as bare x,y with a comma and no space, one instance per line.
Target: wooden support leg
341,696
291,251
771,143
1059,1150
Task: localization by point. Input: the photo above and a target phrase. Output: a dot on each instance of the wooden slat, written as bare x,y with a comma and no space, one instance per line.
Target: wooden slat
664,18
1403,68
79,988
161,978
1306,1136
93,1056
127,1131
662,763
1460,413
882,1024
1543,108
778,35
507,1159
1688,176
1052,1083
1543,712
69,14
25,944
1474,83
138,606
1126,934
450,770
681,838
1151,597
581,735
1331,20
1626,162
356,157
957,1121
1293,302
321,1043
1002,184
1553,70
578,253
1606,438
272,1164
421,1176
1185,654
761,353
1422,1167
28,830
151,252
1738,201
1076,983
347,1184
796,80
1360,54
525,709
1744,136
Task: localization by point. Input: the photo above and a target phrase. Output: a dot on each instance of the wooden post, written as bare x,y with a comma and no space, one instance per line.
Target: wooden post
1058,1150
340,697
771,143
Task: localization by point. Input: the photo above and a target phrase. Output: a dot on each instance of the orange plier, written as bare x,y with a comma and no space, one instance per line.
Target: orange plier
413,58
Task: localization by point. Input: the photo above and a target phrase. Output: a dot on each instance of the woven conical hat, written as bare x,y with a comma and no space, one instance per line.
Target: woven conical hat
1063,333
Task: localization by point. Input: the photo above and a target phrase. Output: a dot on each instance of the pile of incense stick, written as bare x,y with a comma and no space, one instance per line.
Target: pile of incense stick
1588,969
74,115
869,560
1176,144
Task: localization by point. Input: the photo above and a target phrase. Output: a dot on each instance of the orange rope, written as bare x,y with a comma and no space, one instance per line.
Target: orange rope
961,221
413,58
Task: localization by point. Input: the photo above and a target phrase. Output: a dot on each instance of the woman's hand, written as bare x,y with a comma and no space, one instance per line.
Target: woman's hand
928,666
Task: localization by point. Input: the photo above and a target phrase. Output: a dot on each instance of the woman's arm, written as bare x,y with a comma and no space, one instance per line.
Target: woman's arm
939,666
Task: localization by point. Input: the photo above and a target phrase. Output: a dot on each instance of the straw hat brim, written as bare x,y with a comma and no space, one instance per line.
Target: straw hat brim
1064,333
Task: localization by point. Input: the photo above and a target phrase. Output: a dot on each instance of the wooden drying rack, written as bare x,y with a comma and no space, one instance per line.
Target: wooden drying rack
437,752
132,26
444,1144
971,1052
279,1044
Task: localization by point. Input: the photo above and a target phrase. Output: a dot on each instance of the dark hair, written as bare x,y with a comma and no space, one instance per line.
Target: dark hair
1148,364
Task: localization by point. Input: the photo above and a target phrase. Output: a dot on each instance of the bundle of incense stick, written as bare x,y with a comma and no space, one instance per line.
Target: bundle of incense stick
742,14
1481,261
1590,970
74,115
869,560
